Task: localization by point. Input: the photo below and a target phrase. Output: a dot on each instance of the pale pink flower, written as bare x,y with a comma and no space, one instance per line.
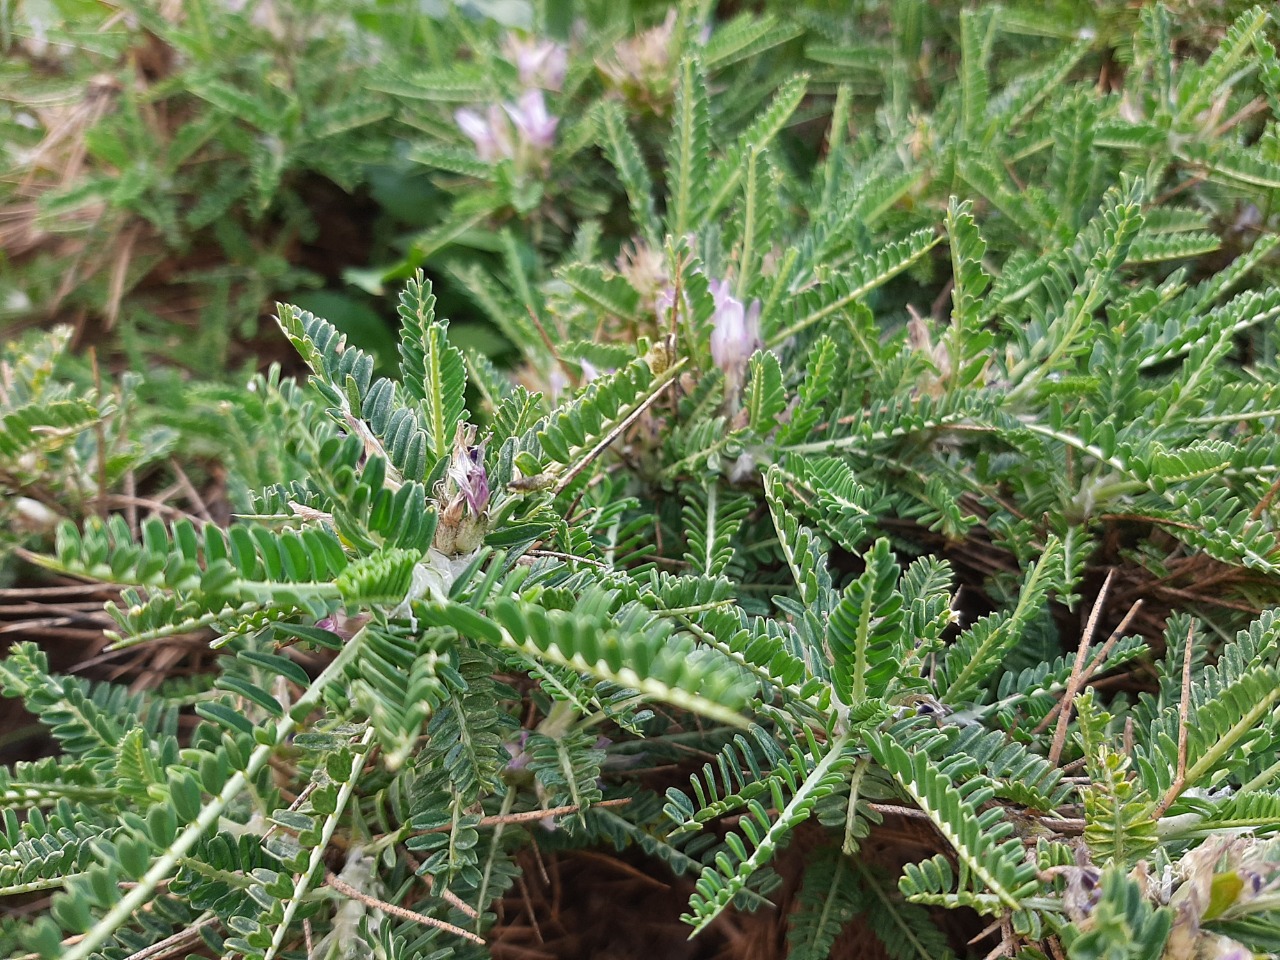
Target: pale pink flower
523,131
490,133
536,127
344,626
540,63
735,333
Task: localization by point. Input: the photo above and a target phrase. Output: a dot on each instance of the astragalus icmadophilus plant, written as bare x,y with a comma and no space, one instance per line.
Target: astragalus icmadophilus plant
1028,315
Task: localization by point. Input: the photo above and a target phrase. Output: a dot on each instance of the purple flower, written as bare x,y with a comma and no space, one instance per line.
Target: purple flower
466,475
516,749
1217,947
540,63
476,488
735,333
536,127
344,626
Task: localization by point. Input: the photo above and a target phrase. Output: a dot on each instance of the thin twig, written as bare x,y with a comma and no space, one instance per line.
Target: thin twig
894,809
1064,824
449,896
192,493
531,815
1184,708
1008,943
985,932
1179,188
542,332
347,890
74,589
156,506
568,556
1077,671
67,609
1094,664
459,904
1266,501
171,945
1255,106
527,902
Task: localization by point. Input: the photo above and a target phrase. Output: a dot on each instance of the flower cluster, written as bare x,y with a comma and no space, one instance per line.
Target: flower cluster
522,132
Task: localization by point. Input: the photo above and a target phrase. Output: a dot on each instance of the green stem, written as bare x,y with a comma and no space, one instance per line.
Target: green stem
1262,779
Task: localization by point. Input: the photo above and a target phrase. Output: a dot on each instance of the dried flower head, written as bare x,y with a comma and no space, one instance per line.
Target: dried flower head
640,67
645,268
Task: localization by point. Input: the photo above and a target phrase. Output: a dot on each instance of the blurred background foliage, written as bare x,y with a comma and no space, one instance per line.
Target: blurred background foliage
173,168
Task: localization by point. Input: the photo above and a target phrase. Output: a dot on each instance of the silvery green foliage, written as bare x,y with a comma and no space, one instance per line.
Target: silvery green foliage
741,430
